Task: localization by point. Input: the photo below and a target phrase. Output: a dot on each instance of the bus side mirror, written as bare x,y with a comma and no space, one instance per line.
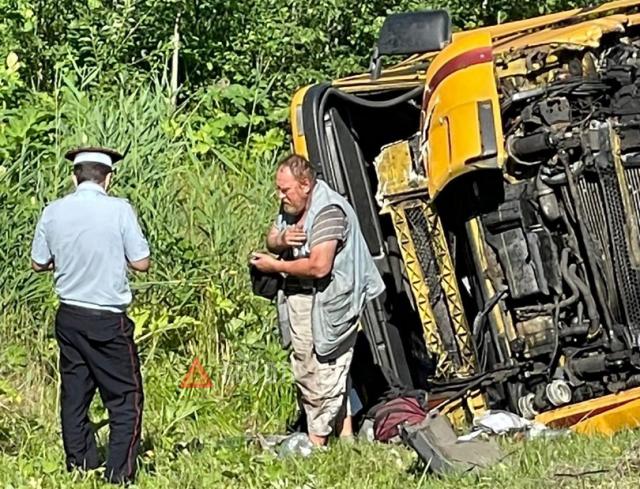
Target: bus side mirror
411,33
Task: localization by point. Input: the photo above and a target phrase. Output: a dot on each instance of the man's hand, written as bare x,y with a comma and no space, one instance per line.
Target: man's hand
264,263
37,267
317,265
293,236
140,265
279,241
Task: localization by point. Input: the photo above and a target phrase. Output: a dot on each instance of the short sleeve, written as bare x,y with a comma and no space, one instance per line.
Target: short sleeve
40,252
330,224
135,244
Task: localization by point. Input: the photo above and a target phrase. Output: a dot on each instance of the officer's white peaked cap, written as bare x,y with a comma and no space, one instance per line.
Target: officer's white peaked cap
93,154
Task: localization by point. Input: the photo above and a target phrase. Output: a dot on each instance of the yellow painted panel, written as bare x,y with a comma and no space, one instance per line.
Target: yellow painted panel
396,175
511,28
521,26
451,143
438,150
452,135
297,130
575,414
464,42
461,412
364,84
623,417
586,34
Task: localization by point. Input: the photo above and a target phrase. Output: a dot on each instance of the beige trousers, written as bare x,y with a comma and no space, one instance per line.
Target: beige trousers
323,386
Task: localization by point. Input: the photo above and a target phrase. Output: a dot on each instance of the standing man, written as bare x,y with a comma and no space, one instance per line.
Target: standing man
329,277
88,239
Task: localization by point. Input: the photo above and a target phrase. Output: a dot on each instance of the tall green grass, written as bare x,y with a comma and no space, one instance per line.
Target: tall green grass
203,204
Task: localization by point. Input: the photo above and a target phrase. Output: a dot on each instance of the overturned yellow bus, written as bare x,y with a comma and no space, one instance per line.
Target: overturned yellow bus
496,175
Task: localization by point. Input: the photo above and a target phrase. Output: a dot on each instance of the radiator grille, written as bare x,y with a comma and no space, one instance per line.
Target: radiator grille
633,178
596,220
421,234
605,221
597,225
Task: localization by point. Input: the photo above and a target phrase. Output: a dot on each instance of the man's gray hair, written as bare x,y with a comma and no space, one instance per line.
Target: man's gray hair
300,168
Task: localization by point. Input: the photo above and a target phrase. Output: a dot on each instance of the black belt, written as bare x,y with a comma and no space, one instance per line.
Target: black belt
293,286
297,291
86,311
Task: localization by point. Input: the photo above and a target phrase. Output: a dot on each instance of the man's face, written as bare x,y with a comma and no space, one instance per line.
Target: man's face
292,193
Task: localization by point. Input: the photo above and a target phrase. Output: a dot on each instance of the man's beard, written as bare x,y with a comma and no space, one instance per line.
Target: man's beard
290,209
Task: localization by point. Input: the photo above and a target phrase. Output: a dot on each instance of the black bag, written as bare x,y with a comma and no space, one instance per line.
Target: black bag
265,284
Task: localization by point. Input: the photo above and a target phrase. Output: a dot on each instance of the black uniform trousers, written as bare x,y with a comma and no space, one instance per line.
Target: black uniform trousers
97,352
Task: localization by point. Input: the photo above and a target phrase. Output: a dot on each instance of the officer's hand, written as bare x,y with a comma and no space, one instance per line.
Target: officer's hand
263,262
293,236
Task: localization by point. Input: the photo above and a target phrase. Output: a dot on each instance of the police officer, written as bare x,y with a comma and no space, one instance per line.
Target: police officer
89,239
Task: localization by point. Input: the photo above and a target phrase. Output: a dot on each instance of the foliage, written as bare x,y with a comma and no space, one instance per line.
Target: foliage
199,175
293,40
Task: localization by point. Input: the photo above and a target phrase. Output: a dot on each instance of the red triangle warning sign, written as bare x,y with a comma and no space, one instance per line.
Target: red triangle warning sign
196,377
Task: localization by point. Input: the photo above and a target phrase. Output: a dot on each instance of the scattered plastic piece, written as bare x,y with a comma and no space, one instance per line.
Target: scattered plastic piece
495,422
296,444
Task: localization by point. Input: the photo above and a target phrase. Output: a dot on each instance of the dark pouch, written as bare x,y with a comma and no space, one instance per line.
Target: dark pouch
265,284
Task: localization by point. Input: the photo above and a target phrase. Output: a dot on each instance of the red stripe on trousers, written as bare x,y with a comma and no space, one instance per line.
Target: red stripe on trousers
136,399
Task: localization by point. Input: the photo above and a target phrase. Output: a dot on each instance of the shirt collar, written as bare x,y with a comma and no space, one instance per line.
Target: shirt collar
91,186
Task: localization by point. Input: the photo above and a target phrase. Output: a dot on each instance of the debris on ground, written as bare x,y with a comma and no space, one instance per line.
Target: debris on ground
366,432
286,445
437,444
496,422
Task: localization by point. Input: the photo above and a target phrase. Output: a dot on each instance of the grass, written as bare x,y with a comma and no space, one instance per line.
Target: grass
202,438
202,213
206,446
